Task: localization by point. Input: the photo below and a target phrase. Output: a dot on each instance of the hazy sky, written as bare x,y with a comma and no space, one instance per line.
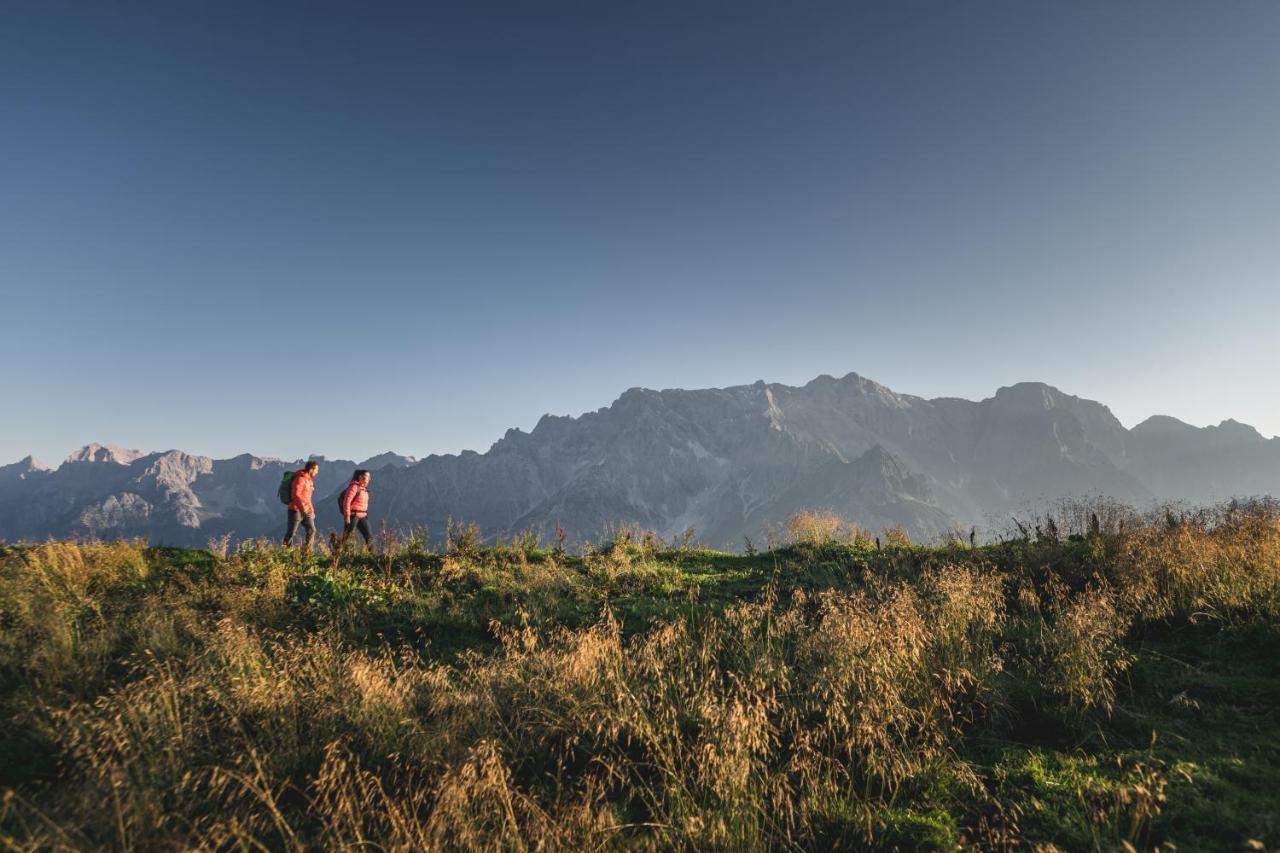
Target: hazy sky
342,228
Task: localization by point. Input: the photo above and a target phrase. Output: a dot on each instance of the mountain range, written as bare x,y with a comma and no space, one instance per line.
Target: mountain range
726,462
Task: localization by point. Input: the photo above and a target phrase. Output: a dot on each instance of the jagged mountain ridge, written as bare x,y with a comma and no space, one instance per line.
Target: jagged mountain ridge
171,497
725,461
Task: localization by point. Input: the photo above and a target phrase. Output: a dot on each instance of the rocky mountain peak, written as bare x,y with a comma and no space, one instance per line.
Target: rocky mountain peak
387,460
879,459
892,473
1029,397
24,469
550,424
1162,425
176,467
32,464
105,453
1229,433
1233,432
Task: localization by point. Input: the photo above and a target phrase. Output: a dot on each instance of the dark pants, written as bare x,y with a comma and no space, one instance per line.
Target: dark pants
308,522
361,524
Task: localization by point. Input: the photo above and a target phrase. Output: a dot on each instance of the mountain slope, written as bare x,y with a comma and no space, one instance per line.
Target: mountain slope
727,462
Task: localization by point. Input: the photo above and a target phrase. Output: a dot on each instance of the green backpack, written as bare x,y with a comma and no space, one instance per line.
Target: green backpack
285,492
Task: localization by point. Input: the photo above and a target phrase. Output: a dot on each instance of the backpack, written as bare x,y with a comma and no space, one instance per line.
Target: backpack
285,492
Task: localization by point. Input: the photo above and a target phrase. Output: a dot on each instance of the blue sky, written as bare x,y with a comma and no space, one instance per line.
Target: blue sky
345,228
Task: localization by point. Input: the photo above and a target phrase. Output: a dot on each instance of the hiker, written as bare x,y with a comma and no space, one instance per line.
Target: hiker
300,486
354,504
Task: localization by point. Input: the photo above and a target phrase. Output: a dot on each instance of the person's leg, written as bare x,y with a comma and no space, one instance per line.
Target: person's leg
309,525
363,525
294,518
348,526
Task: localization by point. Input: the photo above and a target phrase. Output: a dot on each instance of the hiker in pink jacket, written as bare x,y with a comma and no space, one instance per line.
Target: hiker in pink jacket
355,507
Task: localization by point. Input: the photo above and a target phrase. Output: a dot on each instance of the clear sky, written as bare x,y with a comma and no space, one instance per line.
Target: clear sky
351,227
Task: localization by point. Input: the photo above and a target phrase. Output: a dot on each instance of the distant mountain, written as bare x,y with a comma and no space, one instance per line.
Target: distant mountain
28,469
729,461
387,460
1204,464
724,461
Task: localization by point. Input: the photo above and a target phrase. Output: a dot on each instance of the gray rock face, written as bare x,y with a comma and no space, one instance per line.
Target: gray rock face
724,461
730,461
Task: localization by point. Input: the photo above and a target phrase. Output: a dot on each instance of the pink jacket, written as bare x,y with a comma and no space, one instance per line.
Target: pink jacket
355,500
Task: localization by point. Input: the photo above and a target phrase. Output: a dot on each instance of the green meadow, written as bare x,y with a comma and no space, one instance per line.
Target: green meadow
1110,681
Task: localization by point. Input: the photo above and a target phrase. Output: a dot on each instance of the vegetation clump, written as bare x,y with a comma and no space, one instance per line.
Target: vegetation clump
1110,686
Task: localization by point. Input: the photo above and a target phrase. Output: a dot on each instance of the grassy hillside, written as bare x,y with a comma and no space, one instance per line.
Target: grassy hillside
1116,688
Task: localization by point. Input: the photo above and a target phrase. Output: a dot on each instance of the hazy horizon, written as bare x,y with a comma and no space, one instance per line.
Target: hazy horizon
303,228
481,445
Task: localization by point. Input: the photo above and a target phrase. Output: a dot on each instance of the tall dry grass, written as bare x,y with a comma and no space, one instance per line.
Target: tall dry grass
196,708
818,528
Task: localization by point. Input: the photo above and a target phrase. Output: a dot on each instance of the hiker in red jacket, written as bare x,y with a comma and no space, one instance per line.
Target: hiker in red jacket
355,507
300,509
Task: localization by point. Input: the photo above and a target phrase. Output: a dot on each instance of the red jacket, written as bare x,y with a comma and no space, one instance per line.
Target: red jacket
355,500
303,485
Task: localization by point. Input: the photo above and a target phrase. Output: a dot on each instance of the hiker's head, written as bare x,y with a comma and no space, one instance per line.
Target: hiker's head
313,466
362,475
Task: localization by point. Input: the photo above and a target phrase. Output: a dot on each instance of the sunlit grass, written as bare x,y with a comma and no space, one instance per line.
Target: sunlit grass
1107,682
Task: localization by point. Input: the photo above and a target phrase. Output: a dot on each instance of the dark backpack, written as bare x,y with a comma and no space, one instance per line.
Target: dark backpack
285,492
